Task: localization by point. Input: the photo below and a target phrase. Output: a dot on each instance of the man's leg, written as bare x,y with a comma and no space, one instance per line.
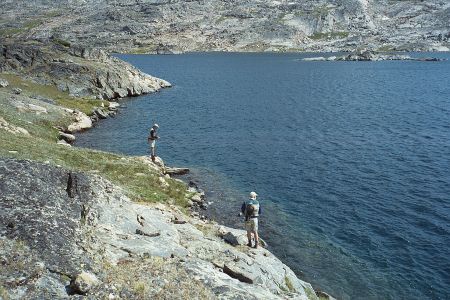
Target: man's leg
255,232
249,237
153,153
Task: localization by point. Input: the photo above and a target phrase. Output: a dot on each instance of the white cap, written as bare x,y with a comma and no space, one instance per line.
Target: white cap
155,125
253,194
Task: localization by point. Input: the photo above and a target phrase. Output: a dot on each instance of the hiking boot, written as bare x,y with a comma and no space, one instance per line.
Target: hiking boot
153,158
249,244
256,245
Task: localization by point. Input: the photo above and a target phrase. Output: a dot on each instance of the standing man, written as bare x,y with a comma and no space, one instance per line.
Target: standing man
152,137
251,210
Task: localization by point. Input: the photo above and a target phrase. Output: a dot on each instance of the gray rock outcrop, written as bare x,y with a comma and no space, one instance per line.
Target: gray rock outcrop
81,72
72,228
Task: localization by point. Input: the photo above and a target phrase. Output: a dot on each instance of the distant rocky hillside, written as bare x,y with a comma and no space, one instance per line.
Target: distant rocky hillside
165,26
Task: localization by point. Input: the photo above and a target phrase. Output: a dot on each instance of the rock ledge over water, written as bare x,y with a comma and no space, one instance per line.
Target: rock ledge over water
64,233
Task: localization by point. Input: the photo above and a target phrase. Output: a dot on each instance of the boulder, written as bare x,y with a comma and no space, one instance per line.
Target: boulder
192,189
197,198
177,171
324,296
94,118
179,219
193,184
100,113
11,128
83,283
37,109
113,105
121,92
146,232
238,273
82,122
69,138
17,91
3,83
235,237
63,143
28,107
112,113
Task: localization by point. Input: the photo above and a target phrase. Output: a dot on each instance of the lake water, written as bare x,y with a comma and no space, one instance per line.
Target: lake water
351,160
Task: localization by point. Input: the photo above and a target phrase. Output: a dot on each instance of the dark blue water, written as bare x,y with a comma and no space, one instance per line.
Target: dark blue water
351,160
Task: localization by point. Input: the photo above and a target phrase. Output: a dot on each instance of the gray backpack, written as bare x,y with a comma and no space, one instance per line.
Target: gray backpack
251,210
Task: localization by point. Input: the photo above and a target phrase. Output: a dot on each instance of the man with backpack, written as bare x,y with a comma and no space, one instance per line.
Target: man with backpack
251,210
152,137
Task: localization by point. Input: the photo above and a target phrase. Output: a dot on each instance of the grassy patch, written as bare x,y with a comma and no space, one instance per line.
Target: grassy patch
144,187
289,284
155,278
329,35
140,289
257,46
29,25
32,24
6,32
385,48
54,13
300,13
140,182
50,91
311,294
320,10
143,49
221,19
207,230
18,261
82,104
62,42
3,293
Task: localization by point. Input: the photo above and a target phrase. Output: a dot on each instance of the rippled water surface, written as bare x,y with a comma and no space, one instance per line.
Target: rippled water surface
351,160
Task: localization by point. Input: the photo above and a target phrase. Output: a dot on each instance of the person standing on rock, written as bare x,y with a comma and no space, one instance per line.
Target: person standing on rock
152,137
251,211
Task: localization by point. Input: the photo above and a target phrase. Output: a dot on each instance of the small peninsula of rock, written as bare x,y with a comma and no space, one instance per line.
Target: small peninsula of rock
367,55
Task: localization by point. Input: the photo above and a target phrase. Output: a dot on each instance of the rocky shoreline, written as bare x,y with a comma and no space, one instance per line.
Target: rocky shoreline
66,231
96,225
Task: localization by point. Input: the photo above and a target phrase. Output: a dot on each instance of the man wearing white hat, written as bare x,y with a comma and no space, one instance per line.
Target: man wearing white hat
152,137
251,210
